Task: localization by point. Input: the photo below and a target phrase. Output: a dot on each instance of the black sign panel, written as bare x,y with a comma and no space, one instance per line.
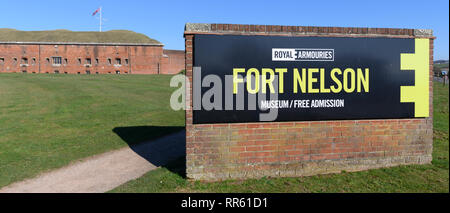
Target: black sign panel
319,78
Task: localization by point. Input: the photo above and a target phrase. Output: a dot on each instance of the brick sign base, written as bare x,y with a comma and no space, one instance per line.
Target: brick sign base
288,149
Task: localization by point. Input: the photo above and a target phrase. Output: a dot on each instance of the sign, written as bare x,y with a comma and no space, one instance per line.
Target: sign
241,78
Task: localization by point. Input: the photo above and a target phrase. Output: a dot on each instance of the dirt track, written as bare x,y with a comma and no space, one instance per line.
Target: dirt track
106,171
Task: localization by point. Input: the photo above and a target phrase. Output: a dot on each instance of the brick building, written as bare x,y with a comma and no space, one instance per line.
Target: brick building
61,51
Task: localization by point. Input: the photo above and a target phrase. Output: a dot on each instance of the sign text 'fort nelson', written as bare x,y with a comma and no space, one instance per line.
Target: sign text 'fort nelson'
305,80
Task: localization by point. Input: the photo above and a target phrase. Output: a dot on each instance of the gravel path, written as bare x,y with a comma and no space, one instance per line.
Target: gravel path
106,171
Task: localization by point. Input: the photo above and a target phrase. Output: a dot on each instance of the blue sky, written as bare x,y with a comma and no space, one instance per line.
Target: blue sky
164,20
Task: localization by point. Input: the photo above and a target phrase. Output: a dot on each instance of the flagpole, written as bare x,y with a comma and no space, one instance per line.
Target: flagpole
100,18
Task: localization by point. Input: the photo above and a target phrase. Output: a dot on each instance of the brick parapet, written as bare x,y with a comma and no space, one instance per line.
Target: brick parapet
242,29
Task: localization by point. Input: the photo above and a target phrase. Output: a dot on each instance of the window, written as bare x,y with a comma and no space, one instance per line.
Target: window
47,60
126,61
96,61
79,60
24,71
2,60
33,61
56,72
14,60
109,61
88,60
88,72
24,61
117,72
57,61
118,61
78,72
65,61
96,73
65,72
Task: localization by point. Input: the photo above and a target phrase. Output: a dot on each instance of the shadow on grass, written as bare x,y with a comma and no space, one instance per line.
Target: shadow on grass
162,146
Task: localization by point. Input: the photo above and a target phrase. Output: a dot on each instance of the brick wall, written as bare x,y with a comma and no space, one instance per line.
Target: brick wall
11,58
173,61
134,59
252,150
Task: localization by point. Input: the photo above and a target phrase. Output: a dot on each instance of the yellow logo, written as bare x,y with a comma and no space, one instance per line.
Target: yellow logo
420,63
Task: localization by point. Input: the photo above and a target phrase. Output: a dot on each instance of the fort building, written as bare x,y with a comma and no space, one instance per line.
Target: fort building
69,52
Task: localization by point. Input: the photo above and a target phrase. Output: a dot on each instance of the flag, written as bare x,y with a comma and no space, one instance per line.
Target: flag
96,11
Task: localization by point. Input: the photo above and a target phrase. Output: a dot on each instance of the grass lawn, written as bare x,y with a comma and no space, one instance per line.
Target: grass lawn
48,120
441,66
413,178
